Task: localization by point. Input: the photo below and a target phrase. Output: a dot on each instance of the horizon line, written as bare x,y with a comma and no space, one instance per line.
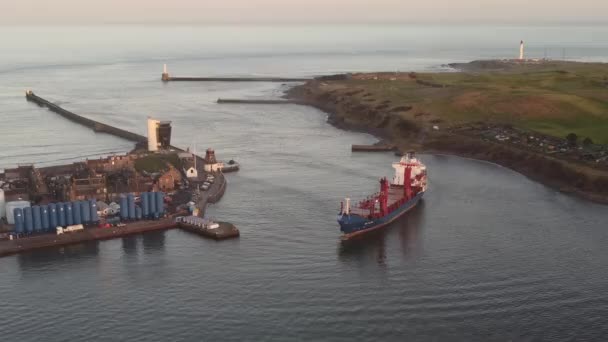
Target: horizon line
321,23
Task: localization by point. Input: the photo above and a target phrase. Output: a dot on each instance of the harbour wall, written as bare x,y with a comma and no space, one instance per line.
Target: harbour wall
248,101
373,148
50,240
233,79
92,124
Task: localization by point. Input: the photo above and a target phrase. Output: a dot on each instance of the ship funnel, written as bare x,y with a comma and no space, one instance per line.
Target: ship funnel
346,206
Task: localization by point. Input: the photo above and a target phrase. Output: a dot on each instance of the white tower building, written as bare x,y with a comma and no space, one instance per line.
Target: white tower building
153,135
165,75
2,203
521,51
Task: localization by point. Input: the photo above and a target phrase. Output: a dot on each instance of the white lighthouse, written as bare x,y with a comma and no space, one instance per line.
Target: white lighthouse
521,51
165,75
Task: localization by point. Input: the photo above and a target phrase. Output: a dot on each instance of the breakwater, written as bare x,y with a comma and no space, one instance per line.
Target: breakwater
373,148
249,101
92,124
233,79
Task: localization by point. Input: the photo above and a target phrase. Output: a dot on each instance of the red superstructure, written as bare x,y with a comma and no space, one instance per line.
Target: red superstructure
393,200
409,180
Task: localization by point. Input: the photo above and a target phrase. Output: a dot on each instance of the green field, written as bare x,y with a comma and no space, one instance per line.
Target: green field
154,163
555,98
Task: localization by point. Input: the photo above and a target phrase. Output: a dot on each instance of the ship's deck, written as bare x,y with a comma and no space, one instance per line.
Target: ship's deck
395,194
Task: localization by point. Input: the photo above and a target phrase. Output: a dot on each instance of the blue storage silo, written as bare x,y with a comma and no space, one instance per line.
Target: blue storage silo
152,200
138,213
77,212
93,208
160,203
53,219
85,208
131,203
69,216
61,221
28,220
44,211
19,224
124,207
37,216
145,204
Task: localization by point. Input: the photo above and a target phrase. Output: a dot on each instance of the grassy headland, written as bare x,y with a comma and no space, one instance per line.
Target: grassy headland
515,114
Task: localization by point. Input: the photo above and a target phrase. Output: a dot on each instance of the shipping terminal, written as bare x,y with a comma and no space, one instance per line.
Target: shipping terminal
394,200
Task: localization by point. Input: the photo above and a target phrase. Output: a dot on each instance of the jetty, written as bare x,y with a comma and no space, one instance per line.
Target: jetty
166,77
92,124
225,230
373,148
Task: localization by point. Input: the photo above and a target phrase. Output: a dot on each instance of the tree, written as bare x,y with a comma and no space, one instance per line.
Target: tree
572,139
587,142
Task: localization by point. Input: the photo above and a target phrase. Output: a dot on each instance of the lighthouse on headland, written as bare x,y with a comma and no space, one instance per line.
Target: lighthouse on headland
521,50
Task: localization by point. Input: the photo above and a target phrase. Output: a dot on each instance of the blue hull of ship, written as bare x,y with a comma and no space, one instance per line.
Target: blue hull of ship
353,225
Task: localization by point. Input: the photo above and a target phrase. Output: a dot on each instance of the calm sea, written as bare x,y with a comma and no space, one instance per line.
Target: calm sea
489,255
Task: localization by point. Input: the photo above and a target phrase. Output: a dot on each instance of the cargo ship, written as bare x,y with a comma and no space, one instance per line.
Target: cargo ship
393,200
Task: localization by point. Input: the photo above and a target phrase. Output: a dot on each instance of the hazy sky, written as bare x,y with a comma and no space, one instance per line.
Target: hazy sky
300,11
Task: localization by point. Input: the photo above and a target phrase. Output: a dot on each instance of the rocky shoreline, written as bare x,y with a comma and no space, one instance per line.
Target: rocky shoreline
347,111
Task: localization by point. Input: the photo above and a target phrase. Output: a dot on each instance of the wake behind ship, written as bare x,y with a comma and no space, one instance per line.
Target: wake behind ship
394,200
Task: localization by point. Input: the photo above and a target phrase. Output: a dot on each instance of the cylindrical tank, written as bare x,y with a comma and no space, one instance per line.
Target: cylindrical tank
124,207
69,216
19,224
53,220
131,202
93,209
3,204
37,218
61,221
160,203
77,212
10,209
46,224
138,213
28,220
152,201
85,208
145,204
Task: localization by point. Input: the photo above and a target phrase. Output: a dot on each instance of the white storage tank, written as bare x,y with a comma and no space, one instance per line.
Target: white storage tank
3,204
10,209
